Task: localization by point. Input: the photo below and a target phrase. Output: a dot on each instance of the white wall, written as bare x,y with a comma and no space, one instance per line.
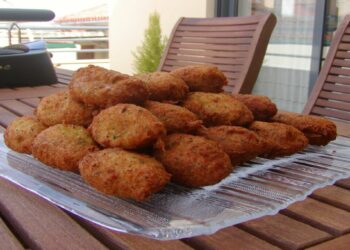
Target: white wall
129,19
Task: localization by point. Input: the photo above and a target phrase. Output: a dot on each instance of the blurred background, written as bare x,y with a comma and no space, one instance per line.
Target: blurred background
107,32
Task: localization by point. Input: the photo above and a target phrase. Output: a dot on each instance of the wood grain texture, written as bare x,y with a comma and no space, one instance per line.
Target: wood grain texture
334,96
343,128
335,105
31,101
218,28
114,240
40,224
285,232
333,113
230,238
344,183
224,42
39,91
17,107
6,117
335,196
341,243
7,240
320,215
329,73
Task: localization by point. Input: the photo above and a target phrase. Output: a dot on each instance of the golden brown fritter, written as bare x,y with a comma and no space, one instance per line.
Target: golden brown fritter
318,130
261,106
239,143
279,139
163,86
125,174
21,132
194,161
202,77
97,86
62,146
174,118
127,126
218,109
61,108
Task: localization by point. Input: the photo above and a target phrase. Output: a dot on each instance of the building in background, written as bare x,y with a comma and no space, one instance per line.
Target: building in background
108,32
74,40
86,32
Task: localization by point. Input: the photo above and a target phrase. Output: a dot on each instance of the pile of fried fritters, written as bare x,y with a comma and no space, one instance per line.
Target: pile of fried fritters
130,135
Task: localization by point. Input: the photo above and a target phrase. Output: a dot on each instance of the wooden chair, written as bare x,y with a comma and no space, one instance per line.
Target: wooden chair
237,45
330,96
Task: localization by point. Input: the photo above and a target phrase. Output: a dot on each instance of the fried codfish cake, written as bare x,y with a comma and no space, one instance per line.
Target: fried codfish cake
279,139
97,86
218,109
127,126
62,146
62,108
118,172
174,118
202,77
261,106
20,133
239,143
318,130
194,161
163,86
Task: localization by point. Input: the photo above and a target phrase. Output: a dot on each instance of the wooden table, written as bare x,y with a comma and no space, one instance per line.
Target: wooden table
322,221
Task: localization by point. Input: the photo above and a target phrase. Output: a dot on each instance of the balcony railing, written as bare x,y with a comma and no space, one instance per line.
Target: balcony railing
71,46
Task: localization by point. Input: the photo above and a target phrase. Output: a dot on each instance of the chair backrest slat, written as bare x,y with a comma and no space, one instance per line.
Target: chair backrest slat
330,96
236,45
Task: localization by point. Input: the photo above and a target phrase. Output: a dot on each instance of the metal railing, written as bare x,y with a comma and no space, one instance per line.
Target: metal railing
72,46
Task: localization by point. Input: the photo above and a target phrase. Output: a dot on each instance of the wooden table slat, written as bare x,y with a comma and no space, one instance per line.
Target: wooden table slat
285,232
335,196
230,238
6,117
342,128
320,215
341,243
7,239
40,224
39,91
344,183
17,107
31,101
115,240
59,85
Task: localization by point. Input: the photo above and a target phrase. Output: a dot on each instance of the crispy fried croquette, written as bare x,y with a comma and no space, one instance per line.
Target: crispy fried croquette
174,118
239,143
125,174
127,126
218,109
62,108
194,161
104,88
62,146
318,130
279,139
261,106
163,86
21,132
202,77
